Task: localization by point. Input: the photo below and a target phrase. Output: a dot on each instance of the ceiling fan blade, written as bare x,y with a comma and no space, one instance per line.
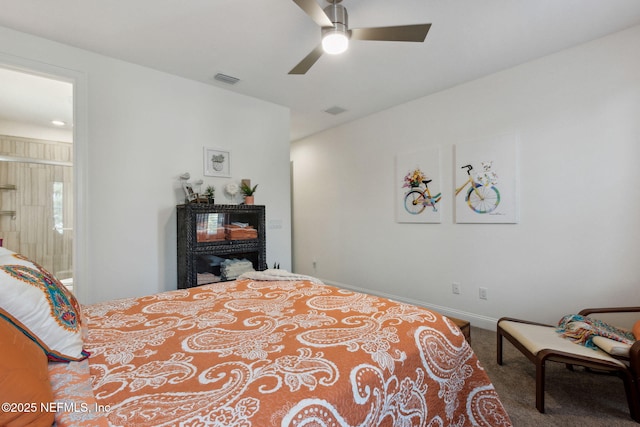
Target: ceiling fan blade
308,61
314,11
400,33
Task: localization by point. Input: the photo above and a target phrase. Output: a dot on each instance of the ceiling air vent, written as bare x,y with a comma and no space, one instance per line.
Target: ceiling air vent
335,110
226,79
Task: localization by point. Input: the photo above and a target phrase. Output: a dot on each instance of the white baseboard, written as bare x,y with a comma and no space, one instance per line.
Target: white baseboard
476,320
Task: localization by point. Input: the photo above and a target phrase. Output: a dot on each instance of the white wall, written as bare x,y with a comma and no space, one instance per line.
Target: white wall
140,131
576,245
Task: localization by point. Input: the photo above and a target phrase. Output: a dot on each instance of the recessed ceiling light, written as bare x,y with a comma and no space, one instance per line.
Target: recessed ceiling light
58,123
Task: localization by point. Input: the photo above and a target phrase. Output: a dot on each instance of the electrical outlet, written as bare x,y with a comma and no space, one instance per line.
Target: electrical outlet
455,288
483,293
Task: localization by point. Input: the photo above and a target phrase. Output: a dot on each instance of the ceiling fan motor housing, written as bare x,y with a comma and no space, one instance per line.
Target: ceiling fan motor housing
335,39
338,15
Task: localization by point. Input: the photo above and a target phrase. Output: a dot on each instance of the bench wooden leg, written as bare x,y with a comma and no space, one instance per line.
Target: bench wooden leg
499,346
633,399
540,375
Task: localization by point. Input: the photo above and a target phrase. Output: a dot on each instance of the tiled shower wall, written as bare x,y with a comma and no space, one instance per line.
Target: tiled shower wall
26,212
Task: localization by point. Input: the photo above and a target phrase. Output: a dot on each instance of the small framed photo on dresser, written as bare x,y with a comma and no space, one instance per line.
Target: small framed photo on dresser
189,194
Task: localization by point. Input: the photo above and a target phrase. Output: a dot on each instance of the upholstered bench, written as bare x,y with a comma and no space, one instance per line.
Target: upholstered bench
541,343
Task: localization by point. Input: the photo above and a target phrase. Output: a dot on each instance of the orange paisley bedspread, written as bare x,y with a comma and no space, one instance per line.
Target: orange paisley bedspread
283,353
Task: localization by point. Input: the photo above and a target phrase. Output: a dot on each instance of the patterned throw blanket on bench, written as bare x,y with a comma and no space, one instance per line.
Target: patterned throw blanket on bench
582,330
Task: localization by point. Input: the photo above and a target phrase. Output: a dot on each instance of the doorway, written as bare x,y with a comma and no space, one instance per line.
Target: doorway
36,170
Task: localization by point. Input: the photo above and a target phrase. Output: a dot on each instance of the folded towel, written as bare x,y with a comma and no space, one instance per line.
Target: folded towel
274,274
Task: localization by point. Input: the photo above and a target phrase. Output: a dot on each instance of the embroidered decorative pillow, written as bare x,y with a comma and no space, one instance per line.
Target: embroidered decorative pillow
38,304
24,380
636,330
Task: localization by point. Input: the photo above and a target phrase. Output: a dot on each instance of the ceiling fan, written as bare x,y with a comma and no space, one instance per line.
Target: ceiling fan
334,22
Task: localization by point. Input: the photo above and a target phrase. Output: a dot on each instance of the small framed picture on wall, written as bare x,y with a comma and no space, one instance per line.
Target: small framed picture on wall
217,162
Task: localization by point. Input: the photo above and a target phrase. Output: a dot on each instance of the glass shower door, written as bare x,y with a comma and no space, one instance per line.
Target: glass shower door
36,213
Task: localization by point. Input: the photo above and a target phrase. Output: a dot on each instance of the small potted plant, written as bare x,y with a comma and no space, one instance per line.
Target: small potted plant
248,191
210,193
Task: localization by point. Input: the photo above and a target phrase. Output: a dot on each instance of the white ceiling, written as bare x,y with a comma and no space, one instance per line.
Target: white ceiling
34,100
259,41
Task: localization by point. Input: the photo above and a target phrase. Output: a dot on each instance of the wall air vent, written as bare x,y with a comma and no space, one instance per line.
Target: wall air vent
335,110
226,79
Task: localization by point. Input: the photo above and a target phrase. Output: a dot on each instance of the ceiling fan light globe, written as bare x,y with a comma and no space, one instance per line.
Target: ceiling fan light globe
335,43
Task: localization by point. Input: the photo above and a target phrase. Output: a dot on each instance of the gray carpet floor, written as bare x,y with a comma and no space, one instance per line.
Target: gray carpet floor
572,398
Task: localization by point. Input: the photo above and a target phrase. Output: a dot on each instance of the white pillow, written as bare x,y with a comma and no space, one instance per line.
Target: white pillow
37,303
613,347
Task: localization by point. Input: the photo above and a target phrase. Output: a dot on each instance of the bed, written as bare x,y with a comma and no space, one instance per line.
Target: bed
269,349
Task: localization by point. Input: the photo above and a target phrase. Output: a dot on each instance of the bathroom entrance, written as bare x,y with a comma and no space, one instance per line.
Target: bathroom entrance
36,170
